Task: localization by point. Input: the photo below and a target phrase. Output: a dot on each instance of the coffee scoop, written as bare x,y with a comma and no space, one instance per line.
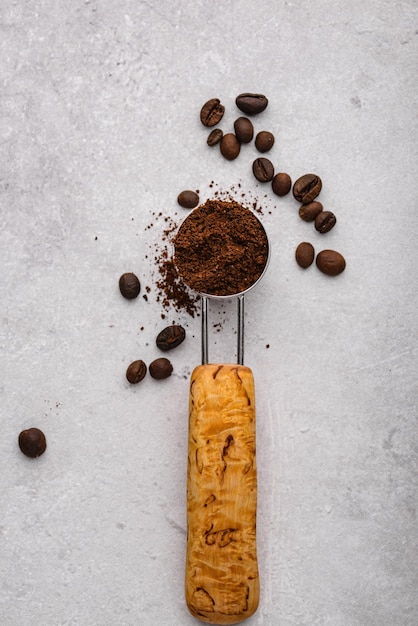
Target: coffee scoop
221,578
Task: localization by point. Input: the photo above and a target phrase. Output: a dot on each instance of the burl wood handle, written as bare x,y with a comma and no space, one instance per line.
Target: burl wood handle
222,584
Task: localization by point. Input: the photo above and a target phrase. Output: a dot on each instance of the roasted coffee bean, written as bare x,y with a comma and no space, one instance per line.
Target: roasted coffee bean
230,146
325,221
264,141
170,337
308,212
136,372
263,170
244,129
306,188
251,103
160,368
281,184
305,254
214,137
129,285
32,442
188,199
330,262
212,112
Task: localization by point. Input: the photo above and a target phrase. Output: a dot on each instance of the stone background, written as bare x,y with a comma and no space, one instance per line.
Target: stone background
100,131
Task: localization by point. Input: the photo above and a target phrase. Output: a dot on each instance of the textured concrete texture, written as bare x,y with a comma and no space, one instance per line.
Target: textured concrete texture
100,131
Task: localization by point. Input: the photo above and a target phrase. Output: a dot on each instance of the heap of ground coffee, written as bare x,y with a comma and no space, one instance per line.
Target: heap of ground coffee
221,248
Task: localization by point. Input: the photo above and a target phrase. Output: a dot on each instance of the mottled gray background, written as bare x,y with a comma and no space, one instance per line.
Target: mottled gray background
99,130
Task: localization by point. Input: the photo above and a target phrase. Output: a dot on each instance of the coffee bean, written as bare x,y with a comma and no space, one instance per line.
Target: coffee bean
170,337
264,141
281,184
160,368
214,137
244,129
230,146
330,262
32,442
251,103
212,112
129,285
263,170
308,212
136,371
306,188
305,254
188,199
325,221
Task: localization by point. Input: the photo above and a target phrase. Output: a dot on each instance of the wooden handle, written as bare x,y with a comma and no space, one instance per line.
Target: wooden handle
222,584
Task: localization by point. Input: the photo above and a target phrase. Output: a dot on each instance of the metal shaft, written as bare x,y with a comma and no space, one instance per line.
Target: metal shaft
240,330
204,311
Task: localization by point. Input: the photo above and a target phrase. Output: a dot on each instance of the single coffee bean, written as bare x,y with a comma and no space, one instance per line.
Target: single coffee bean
330,262
136,371
32,442
325,221
244,129
129,285
305,254
212,112
281,184
308,212
214,137
251,103
306,188
188,199
264,141
263,170
170,337
230,146
160,368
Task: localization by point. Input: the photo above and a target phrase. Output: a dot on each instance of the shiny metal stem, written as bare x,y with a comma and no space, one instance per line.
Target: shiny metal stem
204,309
240,331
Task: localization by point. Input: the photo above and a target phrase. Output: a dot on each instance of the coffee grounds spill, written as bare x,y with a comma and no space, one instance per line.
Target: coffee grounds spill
221,248
170,290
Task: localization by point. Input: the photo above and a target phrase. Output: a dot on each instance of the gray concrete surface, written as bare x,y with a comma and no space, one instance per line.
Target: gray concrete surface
99,130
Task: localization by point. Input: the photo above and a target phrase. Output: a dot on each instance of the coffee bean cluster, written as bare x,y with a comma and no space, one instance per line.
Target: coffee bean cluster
169,338
230,143
305,190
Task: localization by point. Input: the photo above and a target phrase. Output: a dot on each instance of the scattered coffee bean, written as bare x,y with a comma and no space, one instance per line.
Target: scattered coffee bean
330,262
129,285
136,372
170,337
32,442
230,146
214,137
325,221
264,141
281,184
308,212
306,188
160,368
305,254
244,129
263,170
212,112
251,103
188,199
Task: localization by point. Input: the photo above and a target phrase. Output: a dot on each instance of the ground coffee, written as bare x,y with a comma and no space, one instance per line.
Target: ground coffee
221,248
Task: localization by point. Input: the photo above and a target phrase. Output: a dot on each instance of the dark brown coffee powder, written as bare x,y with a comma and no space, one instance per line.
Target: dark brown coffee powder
221,248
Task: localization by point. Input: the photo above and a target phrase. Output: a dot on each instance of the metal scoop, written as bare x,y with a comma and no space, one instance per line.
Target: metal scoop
221,579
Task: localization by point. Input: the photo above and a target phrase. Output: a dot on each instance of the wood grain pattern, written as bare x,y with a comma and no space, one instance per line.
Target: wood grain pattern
222,583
